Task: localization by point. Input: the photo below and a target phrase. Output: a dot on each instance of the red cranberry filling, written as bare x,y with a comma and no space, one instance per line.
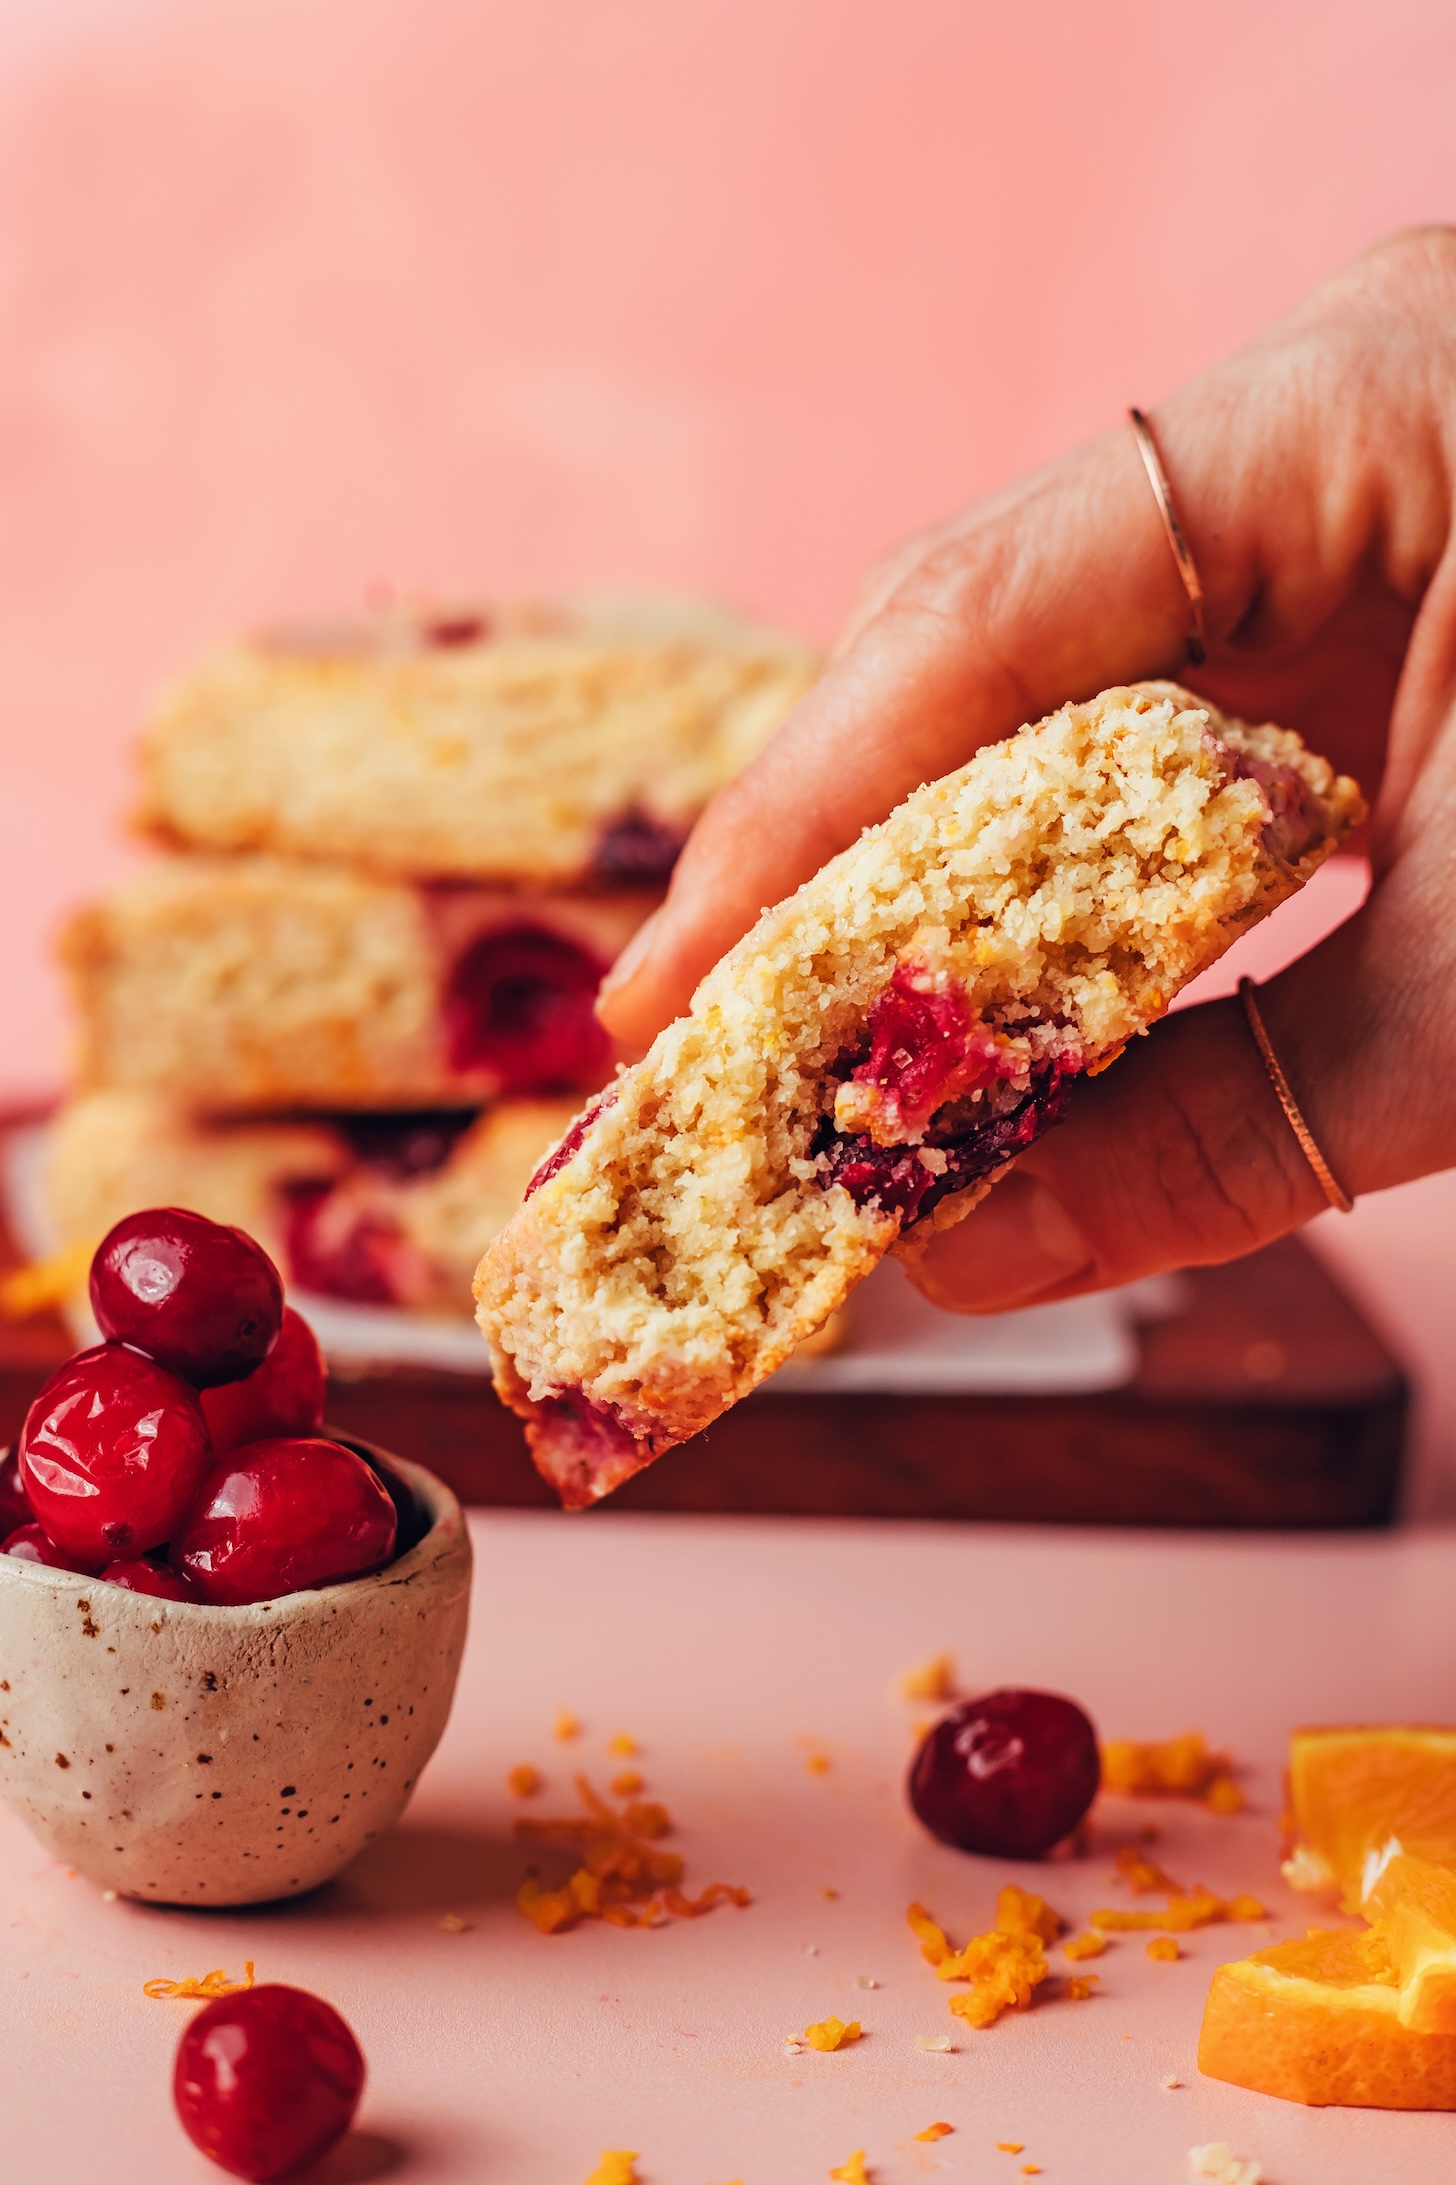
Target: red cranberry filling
519,1004
636,848
341,1251
1295,825
909,1180
571,1142
112,1451
267,2081
280,1517
926,1048
447,633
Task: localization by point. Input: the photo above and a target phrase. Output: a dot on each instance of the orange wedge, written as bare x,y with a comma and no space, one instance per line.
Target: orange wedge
1413,1905
1319,2021
1361,1796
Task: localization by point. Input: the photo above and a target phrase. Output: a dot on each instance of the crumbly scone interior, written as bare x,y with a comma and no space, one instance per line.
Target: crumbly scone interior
1067,882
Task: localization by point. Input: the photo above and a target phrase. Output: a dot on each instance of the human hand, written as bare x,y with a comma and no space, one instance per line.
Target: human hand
1313,474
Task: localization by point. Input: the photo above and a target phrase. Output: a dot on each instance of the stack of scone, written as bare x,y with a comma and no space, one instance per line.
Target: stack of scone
350,1004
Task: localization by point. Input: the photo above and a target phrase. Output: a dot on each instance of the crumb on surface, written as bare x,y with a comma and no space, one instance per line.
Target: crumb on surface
1217,2161
1169,2084
932,1679
453,1924
831,2033
935,2044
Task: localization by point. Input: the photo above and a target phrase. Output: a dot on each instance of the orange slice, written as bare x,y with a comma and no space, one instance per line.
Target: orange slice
1361,1796
1319,2021
1414,1907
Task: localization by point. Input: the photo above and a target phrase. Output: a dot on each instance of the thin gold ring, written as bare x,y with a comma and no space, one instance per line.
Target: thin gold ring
1163,495
1338,1197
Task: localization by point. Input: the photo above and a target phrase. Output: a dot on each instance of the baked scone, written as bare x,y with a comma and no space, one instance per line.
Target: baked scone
248,983
550,747
380,1210
875,1052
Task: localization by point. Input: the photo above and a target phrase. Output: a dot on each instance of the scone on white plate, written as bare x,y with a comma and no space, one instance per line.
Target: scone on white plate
382,1210
875,1052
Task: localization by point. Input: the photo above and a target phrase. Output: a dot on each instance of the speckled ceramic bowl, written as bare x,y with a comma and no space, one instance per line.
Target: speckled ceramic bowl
191,1755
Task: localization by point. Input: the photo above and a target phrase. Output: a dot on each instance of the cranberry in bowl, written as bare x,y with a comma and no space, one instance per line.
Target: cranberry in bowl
245,1692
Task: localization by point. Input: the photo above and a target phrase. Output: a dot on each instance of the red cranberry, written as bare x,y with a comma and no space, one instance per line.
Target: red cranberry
203,1300
1008,1775
342,1249
282,1516
284,1396
267,2080
521,1004
33,1544
113,1450
571,1143
14,1509
636,848
137,1575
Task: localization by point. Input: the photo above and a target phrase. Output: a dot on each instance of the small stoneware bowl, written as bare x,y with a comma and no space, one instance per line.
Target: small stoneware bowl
191,1755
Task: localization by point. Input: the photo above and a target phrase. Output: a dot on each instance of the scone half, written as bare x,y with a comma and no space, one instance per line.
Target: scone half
875,1052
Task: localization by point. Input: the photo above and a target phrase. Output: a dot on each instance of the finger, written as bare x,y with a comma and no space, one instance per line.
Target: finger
1313,484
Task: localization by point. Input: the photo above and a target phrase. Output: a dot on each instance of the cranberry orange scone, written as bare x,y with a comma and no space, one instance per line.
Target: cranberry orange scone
875,1051
559,746
246,983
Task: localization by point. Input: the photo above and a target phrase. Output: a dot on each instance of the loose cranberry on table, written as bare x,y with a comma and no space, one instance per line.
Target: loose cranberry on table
267,2080
113,1449
284,1396
203,1300
281,1517
14,1509
1008,1775
32,1544
138,1575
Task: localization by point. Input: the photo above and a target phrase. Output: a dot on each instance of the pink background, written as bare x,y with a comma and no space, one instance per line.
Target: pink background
298,297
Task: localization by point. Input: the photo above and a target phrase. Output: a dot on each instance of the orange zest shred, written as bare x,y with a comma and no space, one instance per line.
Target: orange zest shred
46,1283
624,1745
1002,1969
1009,2146
617,2166
827,2034
1172,1767
1031,2169
1021,1912
626,1784
935,2131
205,1990
1185,1909
1163,1950
1078,1947
852,2172
524,1781
818,1763
1082,1986
622,1879
567,1727
933,1679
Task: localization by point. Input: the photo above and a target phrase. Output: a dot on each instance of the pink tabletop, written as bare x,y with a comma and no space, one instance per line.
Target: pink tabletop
733,1651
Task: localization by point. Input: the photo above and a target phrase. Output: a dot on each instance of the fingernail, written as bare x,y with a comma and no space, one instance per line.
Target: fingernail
1019,1244
633,956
